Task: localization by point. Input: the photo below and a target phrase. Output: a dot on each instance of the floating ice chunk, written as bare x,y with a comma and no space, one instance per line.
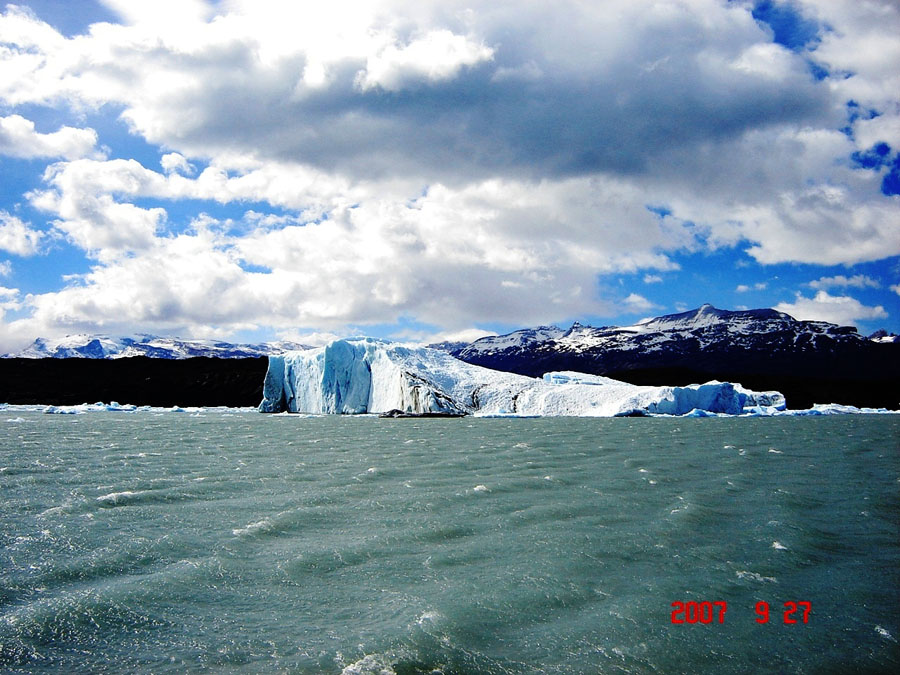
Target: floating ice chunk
753,576
480,488
778,546
884,633
127,408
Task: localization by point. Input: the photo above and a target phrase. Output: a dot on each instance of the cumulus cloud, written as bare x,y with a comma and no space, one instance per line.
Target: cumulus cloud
18,138
744,288
840,309
173,79
635,303
437,55
841,281
449,256
173,161
17,237
465,335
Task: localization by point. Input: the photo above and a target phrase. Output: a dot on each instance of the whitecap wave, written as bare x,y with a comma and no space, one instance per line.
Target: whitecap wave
370,664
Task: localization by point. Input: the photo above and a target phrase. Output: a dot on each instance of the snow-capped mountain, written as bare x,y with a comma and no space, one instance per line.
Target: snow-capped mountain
810,361
365,375
105,347
884,337
659,340
699,329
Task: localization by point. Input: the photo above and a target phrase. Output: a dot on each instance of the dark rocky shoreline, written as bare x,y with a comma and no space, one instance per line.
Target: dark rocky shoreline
204,381
200,381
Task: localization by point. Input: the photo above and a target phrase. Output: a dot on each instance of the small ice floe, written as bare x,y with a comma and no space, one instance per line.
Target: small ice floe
778,546
728,447
16,420
480,488
60,410
883,633
548,477
753,576
775,452
371,470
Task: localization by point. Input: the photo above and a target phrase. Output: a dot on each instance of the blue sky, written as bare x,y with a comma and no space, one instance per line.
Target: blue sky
260,170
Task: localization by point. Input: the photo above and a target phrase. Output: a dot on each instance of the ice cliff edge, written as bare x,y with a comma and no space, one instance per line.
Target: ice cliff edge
367,375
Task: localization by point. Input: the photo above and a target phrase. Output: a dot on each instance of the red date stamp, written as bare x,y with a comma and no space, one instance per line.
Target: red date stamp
710,612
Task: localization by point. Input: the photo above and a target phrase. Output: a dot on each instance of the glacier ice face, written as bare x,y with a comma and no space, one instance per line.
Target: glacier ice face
365,375
360,376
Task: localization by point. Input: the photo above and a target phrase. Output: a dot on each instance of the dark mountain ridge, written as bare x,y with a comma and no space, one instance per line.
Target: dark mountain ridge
808,361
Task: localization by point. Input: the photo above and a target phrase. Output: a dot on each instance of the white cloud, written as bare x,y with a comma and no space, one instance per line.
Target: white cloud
306,82
17,237
841,309
635,303
841,281
174,161
744,288
896,288
652,279
863,48
465,335
437,55
100,225
310,339
451,256
5,268
18,138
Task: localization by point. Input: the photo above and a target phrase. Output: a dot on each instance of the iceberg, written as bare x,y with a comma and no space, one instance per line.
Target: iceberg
368,375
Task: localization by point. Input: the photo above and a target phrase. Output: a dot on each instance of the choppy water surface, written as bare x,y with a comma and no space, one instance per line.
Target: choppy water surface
252,543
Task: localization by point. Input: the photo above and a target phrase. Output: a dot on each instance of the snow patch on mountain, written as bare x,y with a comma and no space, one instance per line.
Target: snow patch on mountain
366,375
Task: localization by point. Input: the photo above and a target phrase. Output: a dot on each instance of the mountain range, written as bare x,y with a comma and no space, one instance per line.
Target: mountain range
85,346
809,361
763,349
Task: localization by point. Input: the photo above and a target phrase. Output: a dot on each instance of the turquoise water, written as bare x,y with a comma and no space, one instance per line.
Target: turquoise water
240,542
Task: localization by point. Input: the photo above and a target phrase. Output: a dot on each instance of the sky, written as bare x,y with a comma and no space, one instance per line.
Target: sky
432,169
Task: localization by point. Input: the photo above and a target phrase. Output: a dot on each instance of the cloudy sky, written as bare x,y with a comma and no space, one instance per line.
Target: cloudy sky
256,169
